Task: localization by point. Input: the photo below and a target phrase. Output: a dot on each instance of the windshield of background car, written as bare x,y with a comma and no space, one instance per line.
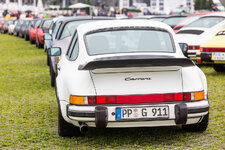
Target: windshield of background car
188,20
45,24
173,20
206,22
37,24
128,41
70,27
10,22
157,18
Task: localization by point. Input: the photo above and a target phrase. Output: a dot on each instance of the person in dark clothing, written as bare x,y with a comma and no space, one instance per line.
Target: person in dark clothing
5,13
214,8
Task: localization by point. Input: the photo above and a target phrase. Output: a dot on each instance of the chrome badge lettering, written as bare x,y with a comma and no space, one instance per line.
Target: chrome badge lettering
135,79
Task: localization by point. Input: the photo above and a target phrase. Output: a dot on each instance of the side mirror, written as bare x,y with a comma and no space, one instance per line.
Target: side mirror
184,48
47,37
47,27
54,51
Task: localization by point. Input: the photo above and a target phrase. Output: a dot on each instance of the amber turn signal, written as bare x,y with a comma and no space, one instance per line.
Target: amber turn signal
77,100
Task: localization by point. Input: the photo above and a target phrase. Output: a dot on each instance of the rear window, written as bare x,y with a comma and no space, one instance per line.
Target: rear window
128,41
206,22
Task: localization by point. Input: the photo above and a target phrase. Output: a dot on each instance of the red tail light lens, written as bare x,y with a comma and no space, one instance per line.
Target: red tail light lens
213,49
178,97
191,47
91,100
111,99
101,99
168,97
187,96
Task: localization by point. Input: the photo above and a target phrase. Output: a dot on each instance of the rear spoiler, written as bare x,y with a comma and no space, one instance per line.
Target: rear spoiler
135,61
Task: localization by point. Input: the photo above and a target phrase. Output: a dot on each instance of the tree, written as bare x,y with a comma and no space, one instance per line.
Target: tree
89,2
203,4
209,4
197,4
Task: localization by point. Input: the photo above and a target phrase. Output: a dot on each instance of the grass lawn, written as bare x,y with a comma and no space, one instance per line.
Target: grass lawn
28,110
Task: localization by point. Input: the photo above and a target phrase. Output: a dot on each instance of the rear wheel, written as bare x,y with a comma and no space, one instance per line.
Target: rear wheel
65,129
198,127
219,67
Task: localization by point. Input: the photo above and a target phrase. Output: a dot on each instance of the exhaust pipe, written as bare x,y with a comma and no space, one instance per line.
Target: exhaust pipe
83,128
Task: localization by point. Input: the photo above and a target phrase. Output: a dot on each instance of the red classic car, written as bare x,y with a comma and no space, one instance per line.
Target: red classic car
41,30
32,31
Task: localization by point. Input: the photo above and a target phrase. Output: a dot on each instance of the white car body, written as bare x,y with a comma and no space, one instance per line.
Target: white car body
12,27
122,81
194,39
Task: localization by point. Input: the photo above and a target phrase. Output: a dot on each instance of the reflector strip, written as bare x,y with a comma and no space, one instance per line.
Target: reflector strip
213,49
128,99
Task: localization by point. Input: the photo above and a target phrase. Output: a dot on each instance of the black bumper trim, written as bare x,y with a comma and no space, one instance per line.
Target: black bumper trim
206,56
87,114
195,110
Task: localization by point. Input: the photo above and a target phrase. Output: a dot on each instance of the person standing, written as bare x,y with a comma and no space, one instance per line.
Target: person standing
214,7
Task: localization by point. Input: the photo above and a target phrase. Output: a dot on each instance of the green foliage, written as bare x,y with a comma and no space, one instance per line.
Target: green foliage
28,110
203,4
134,10
89,2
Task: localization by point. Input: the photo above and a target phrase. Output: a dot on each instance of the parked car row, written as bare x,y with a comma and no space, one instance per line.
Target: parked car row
111,73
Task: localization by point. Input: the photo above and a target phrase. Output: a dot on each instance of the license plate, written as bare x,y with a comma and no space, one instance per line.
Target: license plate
218,56
152,112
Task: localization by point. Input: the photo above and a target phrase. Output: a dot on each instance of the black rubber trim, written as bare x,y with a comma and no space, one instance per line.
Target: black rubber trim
206,56
198,110
135,61
88,114
197,32
101,116
181,113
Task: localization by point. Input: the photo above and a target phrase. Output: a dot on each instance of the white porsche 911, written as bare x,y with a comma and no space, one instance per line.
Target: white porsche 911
128,73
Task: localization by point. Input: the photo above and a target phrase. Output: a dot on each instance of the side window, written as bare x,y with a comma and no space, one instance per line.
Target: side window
75,51
72,44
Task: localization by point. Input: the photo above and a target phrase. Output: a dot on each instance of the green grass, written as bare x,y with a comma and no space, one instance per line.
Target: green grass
28,110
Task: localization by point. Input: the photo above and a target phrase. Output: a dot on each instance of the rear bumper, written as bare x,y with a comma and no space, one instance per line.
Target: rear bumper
105,116
206,57
192,54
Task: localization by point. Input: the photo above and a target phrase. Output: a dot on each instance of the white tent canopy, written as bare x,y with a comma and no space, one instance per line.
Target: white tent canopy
80,5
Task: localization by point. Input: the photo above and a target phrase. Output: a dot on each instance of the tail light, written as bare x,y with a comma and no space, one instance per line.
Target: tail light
193,47
213,49
128,99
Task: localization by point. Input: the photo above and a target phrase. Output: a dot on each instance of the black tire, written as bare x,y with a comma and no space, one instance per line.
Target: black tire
38,45
25,37
48,60
52,77
66,129
31,41
219,67
198,127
